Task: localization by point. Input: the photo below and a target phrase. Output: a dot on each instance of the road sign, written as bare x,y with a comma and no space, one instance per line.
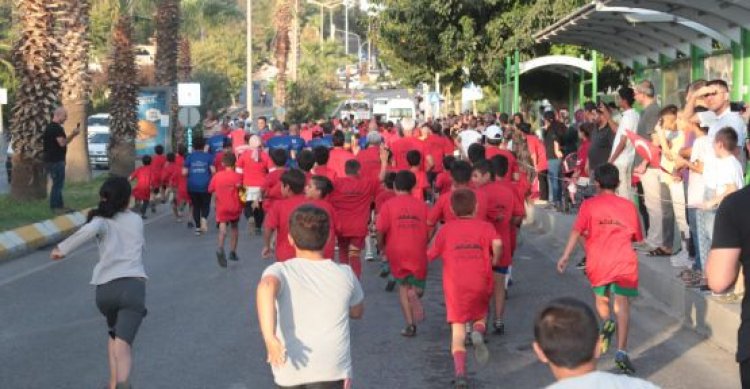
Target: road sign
189,94
189,116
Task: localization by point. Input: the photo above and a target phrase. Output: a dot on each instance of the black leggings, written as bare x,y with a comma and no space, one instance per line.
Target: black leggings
201,206
544,186
257,213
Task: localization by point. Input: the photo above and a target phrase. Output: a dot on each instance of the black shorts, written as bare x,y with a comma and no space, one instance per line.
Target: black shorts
317,385
123,303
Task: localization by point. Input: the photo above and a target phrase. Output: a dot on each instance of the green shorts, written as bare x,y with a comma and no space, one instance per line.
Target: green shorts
614,289
413,281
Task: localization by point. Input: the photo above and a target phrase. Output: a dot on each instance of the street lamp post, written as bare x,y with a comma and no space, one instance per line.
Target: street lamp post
249,59
346,26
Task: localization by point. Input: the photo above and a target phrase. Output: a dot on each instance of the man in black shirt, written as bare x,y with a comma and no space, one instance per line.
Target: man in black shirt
730,248
554,131
55,146
601,138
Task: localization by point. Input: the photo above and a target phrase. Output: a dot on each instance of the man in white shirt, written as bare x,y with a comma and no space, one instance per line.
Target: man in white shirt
716,95
566,337
468,137
304,308
623,152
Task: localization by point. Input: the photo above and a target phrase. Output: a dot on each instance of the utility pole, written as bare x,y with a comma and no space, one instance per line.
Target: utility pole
322,24
249,75
346,26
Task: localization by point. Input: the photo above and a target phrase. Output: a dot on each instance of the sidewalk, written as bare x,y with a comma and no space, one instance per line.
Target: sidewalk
22,240
659,282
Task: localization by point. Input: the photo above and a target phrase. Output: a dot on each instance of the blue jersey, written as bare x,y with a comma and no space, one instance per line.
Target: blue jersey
363,142
296,143
325,141
198,165
216,143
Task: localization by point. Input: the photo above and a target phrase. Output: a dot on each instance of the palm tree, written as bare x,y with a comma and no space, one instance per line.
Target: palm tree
122,81
167,51
37,62
184,61
76,85
282,21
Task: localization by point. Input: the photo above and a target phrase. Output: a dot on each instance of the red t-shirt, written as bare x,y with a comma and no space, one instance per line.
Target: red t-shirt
272,188
438,147
182,192
253,172
238,139
501,204
383,196
306,134
536,147
442,210
443,182
218,165
402,146
610,225
403,221
583,157
369,158
389,138
337,160
157,167
351,198
142,176
225,185
325,171
492,151
169,174
277,219
421,185
465,245
330,247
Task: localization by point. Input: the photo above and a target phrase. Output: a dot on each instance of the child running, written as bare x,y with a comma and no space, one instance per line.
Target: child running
444,182
252,165
402,231
158,161
442,211
143,176
317,190
609,225
322,154
469,248
119,275
225,184
277,219
414,159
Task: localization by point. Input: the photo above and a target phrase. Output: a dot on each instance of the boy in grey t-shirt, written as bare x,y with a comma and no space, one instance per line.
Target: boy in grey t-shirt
566,338
304,308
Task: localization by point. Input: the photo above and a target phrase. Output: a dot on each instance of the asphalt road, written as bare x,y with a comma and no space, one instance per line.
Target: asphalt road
201,330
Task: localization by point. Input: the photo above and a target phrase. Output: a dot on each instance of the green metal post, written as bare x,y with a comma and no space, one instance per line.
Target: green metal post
571,95
516,82
581,88
663,63
697,69
594,75
638,72
508,73
746,64
737,71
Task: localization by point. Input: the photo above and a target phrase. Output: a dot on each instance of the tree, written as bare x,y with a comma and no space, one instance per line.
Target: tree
167,50
123,122
184,61
76,85
282,21
37,67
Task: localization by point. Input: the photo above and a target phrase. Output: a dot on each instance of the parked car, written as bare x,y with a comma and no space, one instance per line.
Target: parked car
400,108
98,124
98,144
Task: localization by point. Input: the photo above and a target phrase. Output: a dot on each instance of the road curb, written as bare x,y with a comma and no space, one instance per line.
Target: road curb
23,240
658,280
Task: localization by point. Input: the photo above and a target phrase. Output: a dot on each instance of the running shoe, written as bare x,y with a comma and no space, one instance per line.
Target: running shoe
190,225
221,258
233,256
499,327
384,270
197,232
582,264
417,310
481,352
410,331
605,335
622,361
461,382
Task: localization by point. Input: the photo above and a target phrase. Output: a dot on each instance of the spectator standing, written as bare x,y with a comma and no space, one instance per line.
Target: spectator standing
623,152
602,137
554,133
55,147
730,249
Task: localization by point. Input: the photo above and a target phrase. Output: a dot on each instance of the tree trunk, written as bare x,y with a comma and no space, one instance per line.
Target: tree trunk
121,159
283,21
28,179
77,168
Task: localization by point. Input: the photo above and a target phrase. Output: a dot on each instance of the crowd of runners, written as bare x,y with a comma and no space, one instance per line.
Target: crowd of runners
323,196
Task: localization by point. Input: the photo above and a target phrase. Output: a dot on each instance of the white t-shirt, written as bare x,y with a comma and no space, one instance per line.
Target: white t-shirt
719,172
702,151
629,122
729,119
313,319
602,380
469,137
676,141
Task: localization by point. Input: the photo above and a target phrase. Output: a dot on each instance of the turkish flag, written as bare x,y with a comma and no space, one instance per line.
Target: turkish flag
646,149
